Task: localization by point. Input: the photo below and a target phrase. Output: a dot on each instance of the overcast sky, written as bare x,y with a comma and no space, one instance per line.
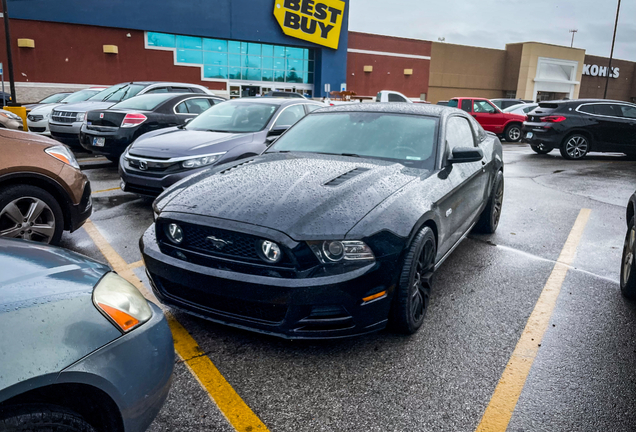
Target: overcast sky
494,23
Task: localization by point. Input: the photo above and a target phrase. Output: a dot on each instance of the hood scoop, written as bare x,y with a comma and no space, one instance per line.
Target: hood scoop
346,176
236,166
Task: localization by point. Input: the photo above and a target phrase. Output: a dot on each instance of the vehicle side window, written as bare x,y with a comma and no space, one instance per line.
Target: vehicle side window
608,110
180,90
396,98
479,131
528,109
290,115
198,105
181,108
483,107
158,90
628,111
458,134
589,109
312,107
466,104
196,90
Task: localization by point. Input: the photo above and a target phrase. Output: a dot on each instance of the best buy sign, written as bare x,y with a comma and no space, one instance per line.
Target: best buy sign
317,21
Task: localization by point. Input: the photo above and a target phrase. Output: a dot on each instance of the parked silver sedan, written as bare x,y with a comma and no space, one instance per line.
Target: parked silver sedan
82,349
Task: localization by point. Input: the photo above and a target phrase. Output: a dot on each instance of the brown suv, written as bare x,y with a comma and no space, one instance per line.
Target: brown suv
42,190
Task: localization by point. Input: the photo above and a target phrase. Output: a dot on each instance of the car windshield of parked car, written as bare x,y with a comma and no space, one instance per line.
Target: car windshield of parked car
408,139
144,102
117,93
79,96
54,98
234,117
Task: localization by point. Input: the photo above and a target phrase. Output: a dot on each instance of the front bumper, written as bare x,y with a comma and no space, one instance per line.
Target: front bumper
148,182
39,127
135,370
310,308
65,131
115,142
82,211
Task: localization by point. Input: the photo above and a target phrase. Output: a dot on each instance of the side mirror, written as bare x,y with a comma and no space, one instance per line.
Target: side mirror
277,131
466,154
188,120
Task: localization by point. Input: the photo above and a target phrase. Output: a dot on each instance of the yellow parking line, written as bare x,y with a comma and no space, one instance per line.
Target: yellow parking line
106,190
502,404
235,410
135,265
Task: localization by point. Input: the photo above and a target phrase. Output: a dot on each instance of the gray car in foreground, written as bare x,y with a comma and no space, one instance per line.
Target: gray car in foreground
232,130
82,350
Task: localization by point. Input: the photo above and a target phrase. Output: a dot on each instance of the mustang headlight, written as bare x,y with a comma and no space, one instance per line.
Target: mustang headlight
121,302
339,251
201,161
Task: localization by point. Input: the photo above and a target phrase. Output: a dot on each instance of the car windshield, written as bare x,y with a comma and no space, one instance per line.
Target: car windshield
234,117
79,96
54,98
454,103
144,102
408,139
118,93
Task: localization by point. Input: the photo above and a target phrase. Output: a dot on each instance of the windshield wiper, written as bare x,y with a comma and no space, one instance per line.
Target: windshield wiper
214,130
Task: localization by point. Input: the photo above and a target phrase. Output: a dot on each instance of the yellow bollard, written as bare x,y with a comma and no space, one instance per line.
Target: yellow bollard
21,111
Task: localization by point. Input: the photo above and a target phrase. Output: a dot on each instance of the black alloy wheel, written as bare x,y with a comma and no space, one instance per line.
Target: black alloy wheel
412,295
575,147
30,213
41,417
489,218
628,263
513,133
540,149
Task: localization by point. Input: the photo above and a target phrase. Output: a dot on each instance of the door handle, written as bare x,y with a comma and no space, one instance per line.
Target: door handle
474,115
483,162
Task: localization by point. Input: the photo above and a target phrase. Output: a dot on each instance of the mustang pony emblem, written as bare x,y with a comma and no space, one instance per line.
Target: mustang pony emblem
218,243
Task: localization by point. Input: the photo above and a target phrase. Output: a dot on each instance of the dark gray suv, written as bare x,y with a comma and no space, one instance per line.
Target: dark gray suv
232,130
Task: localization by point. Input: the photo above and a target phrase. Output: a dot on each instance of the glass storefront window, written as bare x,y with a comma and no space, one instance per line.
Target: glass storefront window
219,72
161,40
250,61
189,56
215,45
215,58
189,42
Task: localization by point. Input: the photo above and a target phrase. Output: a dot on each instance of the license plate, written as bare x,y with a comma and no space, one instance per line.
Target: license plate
529,135
99,141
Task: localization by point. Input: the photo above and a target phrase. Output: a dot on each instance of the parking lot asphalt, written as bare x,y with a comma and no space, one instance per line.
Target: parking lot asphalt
583,377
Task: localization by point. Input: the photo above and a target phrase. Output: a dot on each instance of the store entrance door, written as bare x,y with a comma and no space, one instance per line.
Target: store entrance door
247,91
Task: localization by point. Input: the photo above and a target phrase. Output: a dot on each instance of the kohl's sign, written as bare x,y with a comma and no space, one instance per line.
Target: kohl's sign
601,71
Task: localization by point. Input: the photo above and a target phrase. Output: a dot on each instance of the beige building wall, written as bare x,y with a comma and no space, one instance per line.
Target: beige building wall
530,55
458,70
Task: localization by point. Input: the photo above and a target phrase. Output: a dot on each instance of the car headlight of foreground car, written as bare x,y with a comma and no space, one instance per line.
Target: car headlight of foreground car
63,154
120,302
201,161
335,251
11,116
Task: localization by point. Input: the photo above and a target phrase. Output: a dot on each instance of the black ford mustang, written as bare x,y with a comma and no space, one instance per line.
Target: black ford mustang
335,230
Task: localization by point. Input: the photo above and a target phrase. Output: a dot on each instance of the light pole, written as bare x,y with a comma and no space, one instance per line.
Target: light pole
573,31
609,67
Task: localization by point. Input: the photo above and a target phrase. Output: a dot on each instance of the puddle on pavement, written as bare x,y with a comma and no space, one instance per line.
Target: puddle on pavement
107,203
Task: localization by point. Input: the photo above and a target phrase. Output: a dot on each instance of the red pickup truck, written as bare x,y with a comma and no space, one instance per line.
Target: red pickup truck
491,118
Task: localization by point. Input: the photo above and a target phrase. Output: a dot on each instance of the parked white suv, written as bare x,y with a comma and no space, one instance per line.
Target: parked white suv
65,122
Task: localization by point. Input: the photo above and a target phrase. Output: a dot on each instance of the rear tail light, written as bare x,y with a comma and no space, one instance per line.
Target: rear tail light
132,120
552,119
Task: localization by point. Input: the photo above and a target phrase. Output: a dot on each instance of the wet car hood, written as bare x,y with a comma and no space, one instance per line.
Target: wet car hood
302,195
175,142
87,106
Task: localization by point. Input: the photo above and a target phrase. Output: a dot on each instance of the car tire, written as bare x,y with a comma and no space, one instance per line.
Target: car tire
41,417
540,149
575,147
513,133
412,295
489,218
628,263
17,200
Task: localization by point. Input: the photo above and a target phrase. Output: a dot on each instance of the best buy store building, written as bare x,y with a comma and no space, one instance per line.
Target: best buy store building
233,47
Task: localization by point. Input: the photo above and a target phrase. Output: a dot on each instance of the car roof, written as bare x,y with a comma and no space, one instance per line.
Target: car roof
273,101
395,108
579,101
